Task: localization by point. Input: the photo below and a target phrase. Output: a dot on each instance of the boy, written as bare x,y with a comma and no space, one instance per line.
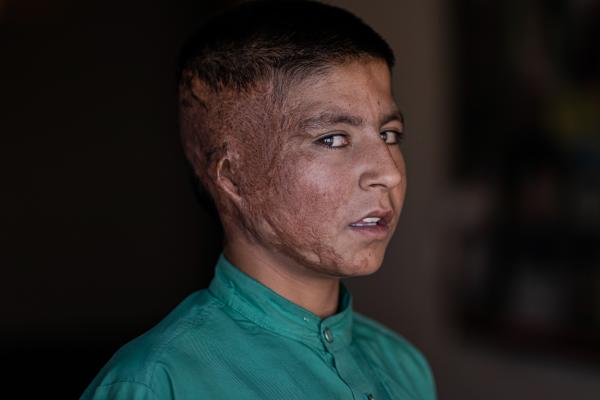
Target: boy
288,120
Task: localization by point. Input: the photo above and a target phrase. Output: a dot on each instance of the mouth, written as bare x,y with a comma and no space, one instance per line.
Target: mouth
375,224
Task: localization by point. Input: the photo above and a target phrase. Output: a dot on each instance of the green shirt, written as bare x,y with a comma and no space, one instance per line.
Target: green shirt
240,340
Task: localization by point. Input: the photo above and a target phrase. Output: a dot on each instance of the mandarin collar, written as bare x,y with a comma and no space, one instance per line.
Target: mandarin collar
264,307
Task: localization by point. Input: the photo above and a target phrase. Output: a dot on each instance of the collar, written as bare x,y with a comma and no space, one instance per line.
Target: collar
264,307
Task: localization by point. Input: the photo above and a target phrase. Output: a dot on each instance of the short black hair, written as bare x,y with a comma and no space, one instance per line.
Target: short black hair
252,40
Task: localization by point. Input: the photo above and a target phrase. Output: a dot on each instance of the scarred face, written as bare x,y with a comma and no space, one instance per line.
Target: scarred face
339,176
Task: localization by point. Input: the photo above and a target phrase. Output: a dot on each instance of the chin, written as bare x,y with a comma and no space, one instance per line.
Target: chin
340,264
361,265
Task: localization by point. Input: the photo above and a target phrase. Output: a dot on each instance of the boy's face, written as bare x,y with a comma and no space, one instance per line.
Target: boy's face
339,163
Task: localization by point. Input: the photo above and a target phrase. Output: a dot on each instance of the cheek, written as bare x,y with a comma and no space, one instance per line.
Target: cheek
315,195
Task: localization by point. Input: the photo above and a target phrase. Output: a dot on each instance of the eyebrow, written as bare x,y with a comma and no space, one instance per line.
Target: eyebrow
328,118
395,115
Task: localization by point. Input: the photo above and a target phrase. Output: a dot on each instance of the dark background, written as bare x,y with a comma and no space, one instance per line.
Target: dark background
493,272
101,232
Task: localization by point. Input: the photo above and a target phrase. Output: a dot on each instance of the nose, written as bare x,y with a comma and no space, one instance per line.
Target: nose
383,167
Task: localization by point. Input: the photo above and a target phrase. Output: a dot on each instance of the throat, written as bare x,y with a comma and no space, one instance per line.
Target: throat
315,293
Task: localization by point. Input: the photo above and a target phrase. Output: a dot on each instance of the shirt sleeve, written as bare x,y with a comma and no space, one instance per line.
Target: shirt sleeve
121,391
427,386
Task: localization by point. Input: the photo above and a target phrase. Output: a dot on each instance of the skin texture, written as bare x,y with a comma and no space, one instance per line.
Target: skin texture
287,200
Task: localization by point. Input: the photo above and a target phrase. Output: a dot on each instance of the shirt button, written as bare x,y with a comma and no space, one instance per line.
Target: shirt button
328,335
370,397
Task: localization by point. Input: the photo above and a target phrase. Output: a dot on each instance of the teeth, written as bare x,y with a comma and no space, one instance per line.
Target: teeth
371,219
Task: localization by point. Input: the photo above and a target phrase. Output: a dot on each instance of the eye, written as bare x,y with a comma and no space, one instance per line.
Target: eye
391,137
334,141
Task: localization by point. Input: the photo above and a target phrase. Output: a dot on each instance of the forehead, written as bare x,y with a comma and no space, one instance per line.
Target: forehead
360,90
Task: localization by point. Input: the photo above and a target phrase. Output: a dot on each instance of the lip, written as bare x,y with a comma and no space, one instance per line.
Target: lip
379,231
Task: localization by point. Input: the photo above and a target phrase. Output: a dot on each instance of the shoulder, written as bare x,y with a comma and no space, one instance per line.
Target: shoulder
144,367
394,355
368,330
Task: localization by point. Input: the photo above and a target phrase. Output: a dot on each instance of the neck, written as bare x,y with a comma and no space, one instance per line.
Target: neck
316,293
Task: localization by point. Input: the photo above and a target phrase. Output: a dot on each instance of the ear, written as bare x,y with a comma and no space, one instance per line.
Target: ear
227,181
